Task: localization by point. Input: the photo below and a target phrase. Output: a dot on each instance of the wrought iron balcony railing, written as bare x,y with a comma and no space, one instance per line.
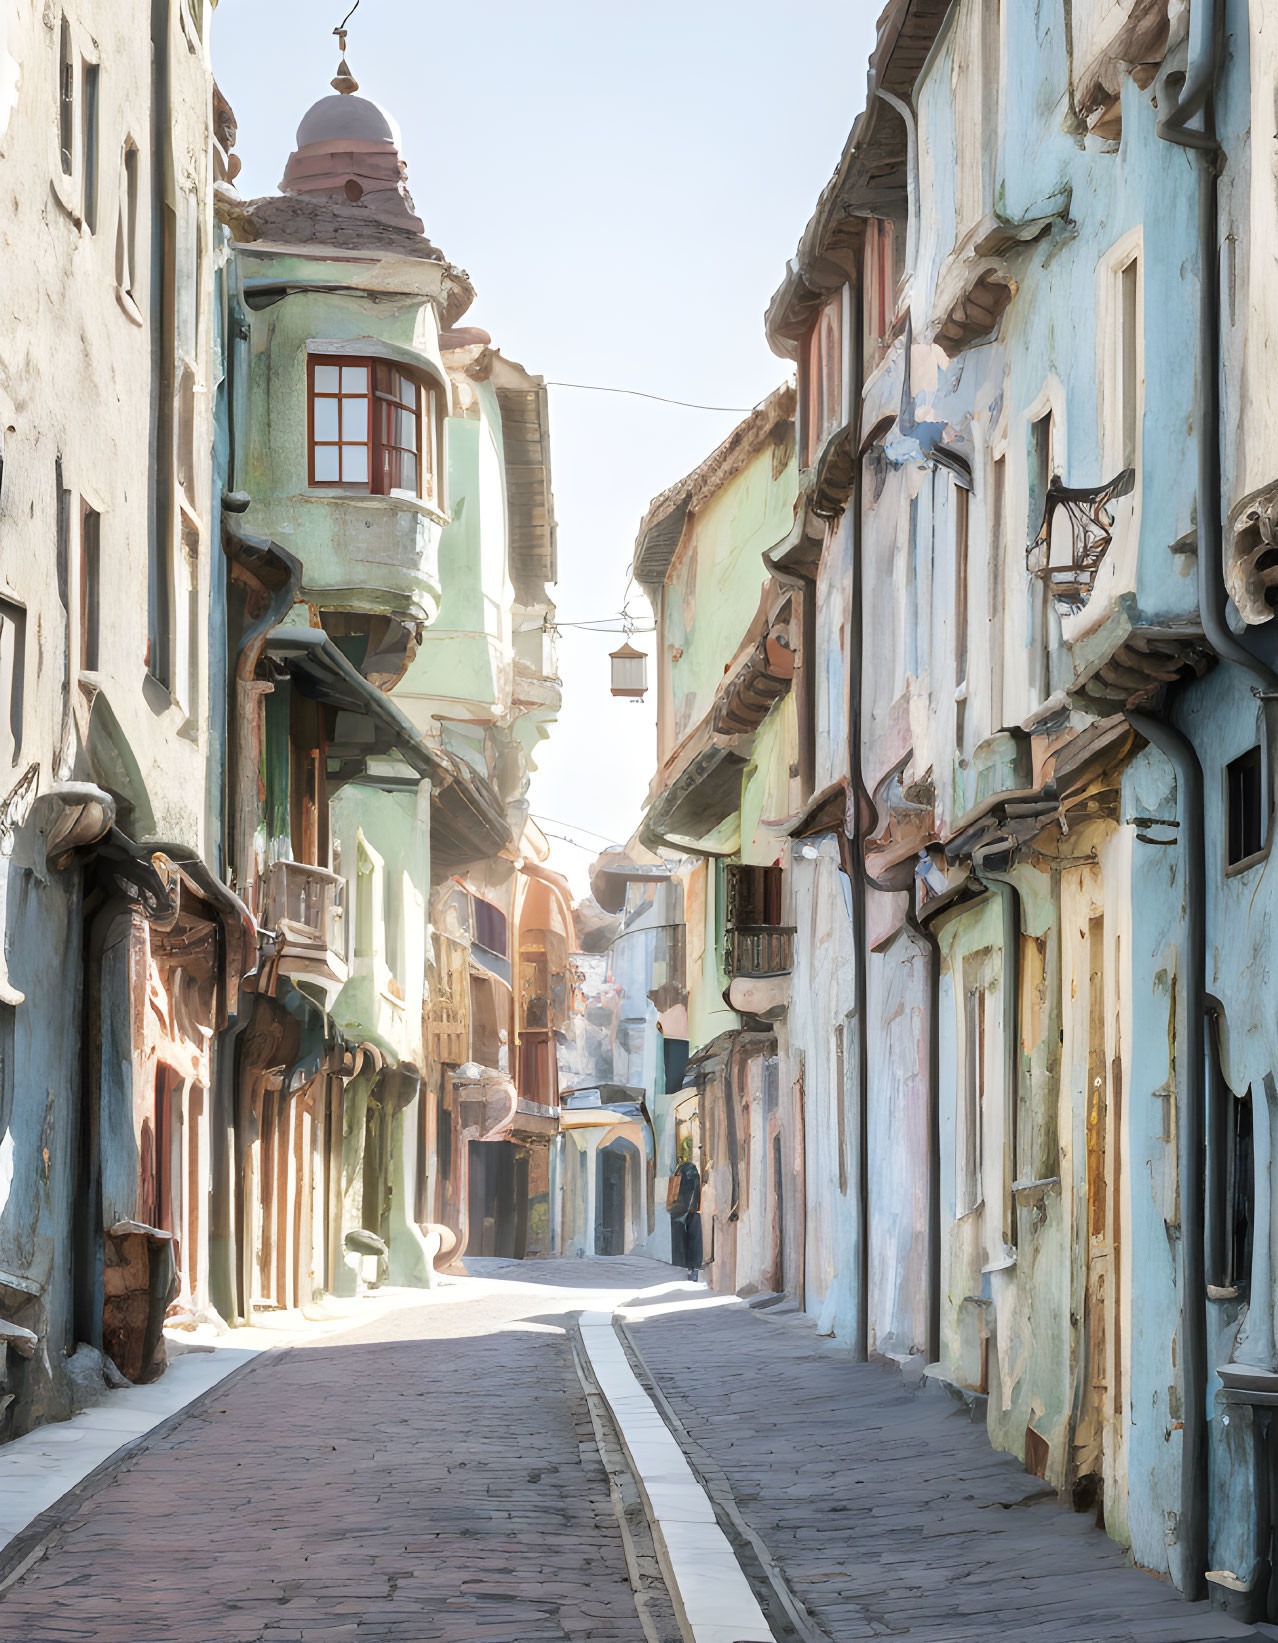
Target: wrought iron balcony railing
759,950
308,899
1069,566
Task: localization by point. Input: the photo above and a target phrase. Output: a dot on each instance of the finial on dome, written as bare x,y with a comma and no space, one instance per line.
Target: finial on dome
344,81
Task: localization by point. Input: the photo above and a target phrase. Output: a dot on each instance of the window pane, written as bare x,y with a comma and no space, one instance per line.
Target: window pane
325,419
406,430
408,392
326,470
354,379
354,419
355,464
408,478
326,379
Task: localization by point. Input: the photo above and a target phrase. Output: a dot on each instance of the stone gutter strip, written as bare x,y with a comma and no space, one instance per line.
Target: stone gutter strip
711,1595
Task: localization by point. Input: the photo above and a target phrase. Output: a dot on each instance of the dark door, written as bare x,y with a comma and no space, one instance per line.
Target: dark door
612,1203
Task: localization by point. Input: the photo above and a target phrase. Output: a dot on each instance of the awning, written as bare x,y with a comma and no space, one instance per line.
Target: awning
468,821
320,671
613,870
546,904
825,812
706,792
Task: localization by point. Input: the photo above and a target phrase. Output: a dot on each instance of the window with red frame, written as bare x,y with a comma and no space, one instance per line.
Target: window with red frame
824,377
880,287
372,427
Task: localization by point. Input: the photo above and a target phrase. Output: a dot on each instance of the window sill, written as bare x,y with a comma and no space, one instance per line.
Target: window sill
397,500
1234,869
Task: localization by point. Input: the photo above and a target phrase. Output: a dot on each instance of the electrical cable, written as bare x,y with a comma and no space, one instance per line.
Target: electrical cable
601,626
568,839
559,821
662,399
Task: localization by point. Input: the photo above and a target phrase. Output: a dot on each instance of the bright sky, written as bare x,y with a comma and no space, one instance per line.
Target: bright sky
624,181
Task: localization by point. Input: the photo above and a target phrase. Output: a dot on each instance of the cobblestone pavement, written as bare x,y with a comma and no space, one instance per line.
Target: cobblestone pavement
888,1512
430,1476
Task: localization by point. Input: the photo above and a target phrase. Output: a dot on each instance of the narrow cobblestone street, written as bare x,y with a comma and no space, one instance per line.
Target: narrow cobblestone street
434,1475
430,1476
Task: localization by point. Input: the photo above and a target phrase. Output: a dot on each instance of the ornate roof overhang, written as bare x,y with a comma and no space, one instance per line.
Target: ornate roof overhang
662,527
525,438
869,180
468,823
746,698
705,793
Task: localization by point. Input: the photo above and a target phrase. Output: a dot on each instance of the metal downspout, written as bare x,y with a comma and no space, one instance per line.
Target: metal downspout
858,879
1191,1136
927,936
1010,897
1215,1248
860,882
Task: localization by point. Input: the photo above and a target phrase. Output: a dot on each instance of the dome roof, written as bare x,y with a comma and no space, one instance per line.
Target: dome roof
345,117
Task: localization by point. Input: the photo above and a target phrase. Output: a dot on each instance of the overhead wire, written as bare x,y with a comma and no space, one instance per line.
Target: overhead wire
560,822
568,839
661,399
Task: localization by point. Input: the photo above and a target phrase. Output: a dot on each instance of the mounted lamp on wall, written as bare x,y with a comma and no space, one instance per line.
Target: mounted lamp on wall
629,672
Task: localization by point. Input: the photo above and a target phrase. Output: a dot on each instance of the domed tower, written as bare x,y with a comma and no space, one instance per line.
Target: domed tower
348,149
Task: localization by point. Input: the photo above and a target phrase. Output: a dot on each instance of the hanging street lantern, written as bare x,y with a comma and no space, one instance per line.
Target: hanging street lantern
629,672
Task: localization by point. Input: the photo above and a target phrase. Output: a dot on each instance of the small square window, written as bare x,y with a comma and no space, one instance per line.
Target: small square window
1245,810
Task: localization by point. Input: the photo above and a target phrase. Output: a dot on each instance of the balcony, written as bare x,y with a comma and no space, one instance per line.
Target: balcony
377,553
304,906
759,950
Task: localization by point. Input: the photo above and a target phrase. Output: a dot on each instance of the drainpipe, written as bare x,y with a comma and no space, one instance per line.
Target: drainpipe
1196,98
1191,1135
860,882
1010,898
1215,1248
858,878
927,936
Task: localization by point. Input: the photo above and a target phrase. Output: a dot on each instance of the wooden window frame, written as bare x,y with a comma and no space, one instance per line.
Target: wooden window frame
66,100
1245,824
14,616
380,450
90,588
822,376
90,78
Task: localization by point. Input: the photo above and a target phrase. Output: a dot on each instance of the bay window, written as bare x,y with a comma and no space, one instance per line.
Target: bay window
372,428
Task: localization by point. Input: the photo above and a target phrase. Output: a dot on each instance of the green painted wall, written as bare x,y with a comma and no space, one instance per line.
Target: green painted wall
463,660
358,551
713,590
394,827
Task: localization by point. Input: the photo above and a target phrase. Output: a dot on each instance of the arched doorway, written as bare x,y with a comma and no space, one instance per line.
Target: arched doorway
618,1197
